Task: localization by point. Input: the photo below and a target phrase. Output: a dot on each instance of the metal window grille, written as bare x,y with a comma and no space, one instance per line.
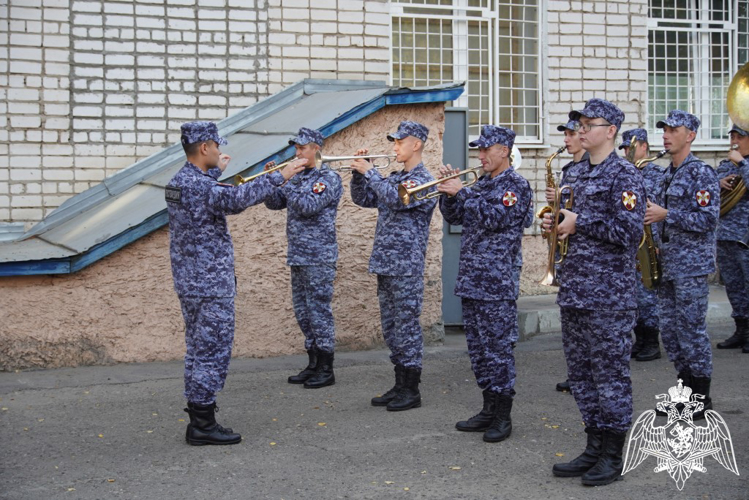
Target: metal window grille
743,35
492,45
692,55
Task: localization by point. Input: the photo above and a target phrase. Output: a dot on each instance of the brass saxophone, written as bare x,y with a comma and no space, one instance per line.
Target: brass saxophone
730,197
550,278
648,263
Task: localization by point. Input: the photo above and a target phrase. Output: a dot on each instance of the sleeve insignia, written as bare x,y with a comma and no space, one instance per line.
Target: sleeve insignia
318,187
410,183
629,200
173,194
703,197
509,199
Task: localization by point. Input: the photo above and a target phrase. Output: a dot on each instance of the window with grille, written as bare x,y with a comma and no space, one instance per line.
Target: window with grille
491,45
695,47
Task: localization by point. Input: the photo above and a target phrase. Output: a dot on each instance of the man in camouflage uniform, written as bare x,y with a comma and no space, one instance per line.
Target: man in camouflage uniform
597,291
686,219
572,141
646,346
493,213
312,200
733,238
202,256
397,259
517,269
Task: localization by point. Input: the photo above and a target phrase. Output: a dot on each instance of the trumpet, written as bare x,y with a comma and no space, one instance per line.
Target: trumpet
239,180
415,193
730,197
550,279
347,168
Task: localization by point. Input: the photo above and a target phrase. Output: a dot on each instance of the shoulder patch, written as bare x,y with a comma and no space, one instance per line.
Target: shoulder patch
629,200
410,183
703,197
318,187
509,199
173,195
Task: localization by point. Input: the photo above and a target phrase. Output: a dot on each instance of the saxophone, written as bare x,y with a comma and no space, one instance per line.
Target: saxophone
648,263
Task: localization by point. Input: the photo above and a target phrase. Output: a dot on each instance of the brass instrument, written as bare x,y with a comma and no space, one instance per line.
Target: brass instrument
730,197
553,243
648,262
239,180
550,183
642,161
408,194
347,168
550,279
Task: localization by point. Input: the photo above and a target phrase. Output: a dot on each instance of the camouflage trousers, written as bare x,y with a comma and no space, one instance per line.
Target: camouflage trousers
209,334
683,305
489,326
401,298
312,294
733,261
647,306
597,346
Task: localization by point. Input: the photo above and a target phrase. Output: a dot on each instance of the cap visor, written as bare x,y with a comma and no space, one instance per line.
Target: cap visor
624,145
562,128
662,124
222,141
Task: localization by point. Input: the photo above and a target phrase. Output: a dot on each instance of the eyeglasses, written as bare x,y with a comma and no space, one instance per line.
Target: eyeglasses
585,127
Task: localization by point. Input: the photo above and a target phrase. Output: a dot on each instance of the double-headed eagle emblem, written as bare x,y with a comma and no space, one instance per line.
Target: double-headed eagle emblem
680,446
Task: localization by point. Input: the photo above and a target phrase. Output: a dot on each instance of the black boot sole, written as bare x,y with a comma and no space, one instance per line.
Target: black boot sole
649,358
603,482
472,429
569,474
320,386
486,440
416,405
378,404
201,442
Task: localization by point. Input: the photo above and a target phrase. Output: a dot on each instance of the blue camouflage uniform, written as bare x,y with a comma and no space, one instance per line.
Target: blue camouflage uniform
311,198
733,237
647,299
399,250
202,256
691,194
598,279
493,213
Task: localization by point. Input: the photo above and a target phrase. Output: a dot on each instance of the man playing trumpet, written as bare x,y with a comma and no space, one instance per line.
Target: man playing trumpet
492,213
400,246
733,229
311,198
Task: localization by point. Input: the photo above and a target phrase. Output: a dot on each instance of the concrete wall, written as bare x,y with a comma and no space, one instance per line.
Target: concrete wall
124,309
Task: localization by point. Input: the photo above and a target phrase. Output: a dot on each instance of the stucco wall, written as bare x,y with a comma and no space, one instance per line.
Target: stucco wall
124,309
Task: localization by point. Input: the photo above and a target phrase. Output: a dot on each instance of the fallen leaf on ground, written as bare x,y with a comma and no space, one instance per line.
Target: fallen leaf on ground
149,432
101,435
559,454
389,482
110,480
273,443
321,424
454,467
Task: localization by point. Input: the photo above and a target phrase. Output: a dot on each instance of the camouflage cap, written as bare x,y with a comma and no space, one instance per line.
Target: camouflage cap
307,135
636,133
600,108
738,130
572,125
494,134
679,118
193,132
407,128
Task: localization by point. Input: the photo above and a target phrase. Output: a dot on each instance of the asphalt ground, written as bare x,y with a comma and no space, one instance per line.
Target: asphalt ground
117,432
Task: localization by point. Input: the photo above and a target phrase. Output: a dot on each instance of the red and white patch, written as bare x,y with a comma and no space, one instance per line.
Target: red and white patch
703,197
410,183
509,199
629,200
318,187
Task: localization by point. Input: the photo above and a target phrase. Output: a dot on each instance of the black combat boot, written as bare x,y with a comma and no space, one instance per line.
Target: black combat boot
203,428
408,396
586,460
739,337
745,349
610,464
390,395
652,348
324,375
564,386
482,420
701,385
307,372
501,426
639,342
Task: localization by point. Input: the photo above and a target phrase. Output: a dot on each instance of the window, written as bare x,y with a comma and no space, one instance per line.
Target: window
492,45
695,47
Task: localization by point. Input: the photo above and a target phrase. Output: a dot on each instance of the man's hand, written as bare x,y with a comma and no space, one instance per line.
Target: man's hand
452,186
550,194
567,226
727,182
269,165
654,213
735,156
223,161
293,168
362,165
546,224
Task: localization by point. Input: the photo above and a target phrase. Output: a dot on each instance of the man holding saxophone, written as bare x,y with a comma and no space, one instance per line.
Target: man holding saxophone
686,228
311,198
596,295
492,213
646,347
733,238
400,246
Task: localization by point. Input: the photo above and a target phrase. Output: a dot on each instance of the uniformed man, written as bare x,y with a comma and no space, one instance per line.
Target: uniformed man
312,200
397,259
492,213
202,258
596,294
517,268
646,346
733,238
686,221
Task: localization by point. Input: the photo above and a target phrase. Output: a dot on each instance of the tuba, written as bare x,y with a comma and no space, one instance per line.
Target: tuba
550,278
737,102
730,197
